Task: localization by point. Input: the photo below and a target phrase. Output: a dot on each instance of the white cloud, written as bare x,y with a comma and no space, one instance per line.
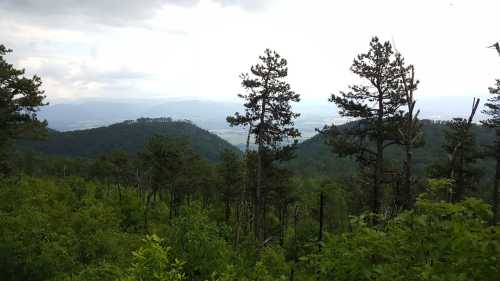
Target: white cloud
198,48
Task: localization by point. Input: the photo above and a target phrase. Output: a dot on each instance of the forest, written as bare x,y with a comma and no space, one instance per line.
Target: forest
385,196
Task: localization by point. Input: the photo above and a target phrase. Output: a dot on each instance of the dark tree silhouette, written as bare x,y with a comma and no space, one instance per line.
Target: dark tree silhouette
231,180
410,129
376,108
269,114
493,111
163,159
20,99
462,153
496,46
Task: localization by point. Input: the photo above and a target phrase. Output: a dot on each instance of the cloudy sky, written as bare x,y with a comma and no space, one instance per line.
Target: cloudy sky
198,48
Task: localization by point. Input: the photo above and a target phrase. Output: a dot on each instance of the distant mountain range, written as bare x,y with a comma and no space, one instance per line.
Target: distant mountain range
211,115
129,136
314,157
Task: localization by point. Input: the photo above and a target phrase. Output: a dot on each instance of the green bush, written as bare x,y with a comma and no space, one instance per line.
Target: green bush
436,241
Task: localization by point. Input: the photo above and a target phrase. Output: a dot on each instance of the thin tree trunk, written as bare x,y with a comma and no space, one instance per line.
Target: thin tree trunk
227,211
321,215
459,193
172,203
260,152
495,186
410,136
295,256
379,162
119,192
407,196
238,225
146,213
243,206
283,211
256,210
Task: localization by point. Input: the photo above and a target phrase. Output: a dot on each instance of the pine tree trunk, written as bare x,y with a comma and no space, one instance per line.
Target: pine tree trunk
260,152
244,197
239,210
321,215
280,218
459,191
495,187
379,162
379,172
146,212
227,211
295,255
407,200
172,203
256,210
119,193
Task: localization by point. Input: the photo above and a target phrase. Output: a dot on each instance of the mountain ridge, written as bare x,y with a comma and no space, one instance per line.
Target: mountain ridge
129,135
314,157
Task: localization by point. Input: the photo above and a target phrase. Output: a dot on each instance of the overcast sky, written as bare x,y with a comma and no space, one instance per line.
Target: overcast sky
190,48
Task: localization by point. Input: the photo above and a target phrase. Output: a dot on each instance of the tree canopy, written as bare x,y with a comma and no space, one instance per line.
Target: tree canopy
20,99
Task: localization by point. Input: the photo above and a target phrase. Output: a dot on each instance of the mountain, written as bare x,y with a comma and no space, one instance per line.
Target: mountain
211,115
87,114
315,158
130,136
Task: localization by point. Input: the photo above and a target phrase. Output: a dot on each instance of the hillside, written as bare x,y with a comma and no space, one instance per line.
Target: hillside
315,158
129,136
92,113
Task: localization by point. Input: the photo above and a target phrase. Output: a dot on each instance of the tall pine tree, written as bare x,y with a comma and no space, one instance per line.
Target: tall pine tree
269,115
20,99
375,107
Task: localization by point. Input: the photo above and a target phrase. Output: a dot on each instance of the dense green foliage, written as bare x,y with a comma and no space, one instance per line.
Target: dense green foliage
314,157
145,200
20,99
53,229
435,241
129,136
71,229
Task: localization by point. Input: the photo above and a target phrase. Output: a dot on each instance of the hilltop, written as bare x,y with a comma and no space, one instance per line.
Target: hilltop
130,136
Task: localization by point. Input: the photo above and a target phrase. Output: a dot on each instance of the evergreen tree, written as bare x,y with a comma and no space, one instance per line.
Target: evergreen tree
376,108
493,110
20,99
231,180
269,114
463,153
163,160
410,129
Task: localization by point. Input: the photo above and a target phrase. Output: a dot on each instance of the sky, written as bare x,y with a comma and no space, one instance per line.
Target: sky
122,49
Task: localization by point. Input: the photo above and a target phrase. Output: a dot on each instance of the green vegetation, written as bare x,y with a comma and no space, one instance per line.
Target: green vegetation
20,98
435,241
72,229
314,157
129,136
162,200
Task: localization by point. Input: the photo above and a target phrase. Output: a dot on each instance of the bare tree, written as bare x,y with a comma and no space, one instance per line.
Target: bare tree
496,46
